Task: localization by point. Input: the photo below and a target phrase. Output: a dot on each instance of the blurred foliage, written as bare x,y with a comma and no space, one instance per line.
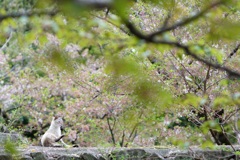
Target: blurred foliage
10,148
113,87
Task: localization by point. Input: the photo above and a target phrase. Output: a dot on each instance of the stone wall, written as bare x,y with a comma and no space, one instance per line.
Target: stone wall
12,137
48,153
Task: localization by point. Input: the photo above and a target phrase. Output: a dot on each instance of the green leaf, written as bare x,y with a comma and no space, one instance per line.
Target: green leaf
237,153
193,100
152,93
207,144
60,59
222,101
211,124
225,30
121,66
122,7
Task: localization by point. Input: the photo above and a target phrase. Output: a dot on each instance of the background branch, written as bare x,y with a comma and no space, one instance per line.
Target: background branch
28,13
186,48
185,21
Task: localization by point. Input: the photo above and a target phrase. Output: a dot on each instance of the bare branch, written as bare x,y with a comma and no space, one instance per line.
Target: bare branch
166,20
230,115
186,21
234,51
123,137
206,79
112,23
216,82
4,57
187,71
224,133
4,46
181,73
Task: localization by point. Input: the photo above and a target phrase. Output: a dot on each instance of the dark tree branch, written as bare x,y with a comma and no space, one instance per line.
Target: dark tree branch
96,96
213,133
131,136
227,139
152,39
186,21
123,137
165,24
4,115
28,13
234,51
206,79
111,130
107,12
186,48
99,4
214,65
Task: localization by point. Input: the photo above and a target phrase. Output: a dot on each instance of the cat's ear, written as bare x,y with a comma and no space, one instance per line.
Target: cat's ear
57,117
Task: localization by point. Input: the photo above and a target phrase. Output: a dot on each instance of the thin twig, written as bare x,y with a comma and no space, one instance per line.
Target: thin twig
180,73
4,46
223,131
112,23
230,115
215,83
206,79
187,71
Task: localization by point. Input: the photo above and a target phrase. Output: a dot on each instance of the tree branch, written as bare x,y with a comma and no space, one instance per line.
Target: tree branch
181,73
28,13
228,141
186,21
111,130
231,72
112,23
187,71
206,79
100,4
186,48
234,51
4,46
152,39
